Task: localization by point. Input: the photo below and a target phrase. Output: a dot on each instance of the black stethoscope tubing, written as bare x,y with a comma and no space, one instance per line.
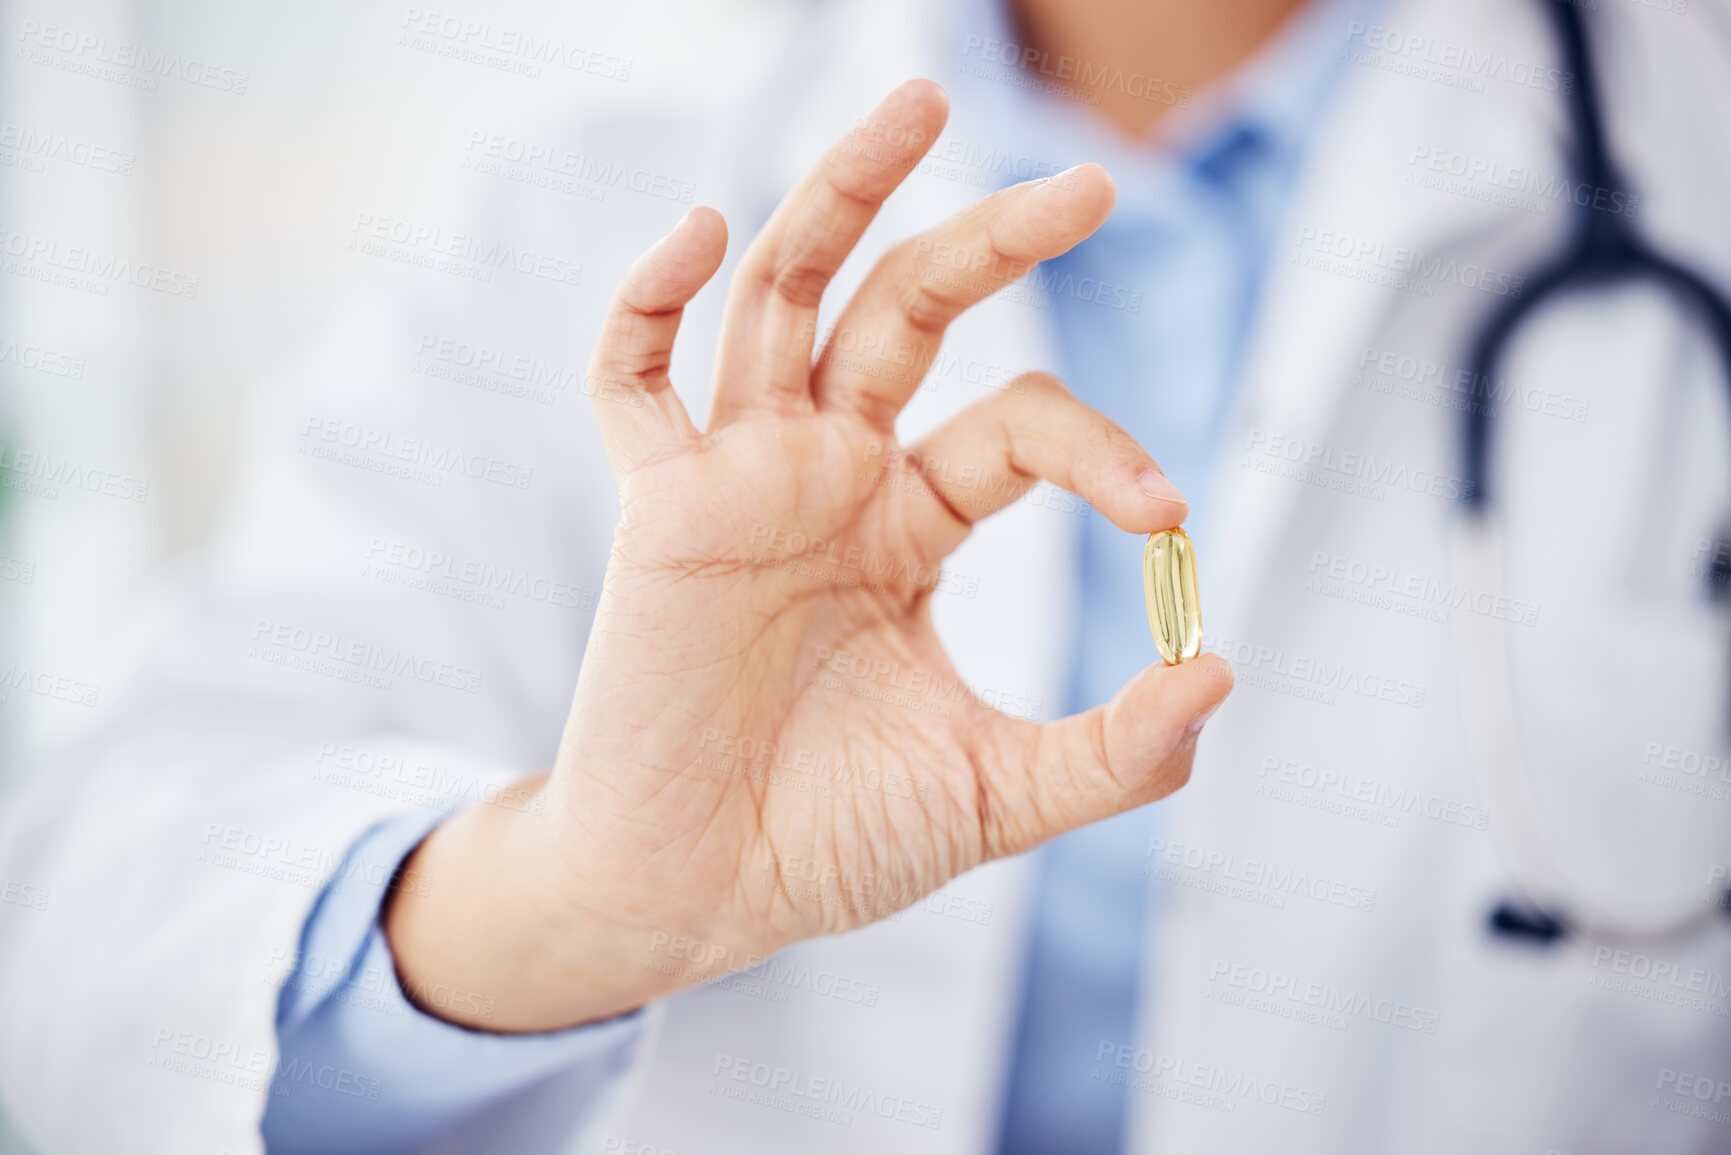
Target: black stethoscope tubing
1603,249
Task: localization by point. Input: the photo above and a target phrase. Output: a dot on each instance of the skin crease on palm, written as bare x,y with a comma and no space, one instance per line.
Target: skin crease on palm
656,821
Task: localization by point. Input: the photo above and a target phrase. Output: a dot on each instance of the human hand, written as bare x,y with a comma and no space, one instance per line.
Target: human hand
747,555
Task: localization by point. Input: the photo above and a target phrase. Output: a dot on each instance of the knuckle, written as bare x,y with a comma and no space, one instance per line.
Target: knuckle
633,349
922,309
629,369
1040,387
800,282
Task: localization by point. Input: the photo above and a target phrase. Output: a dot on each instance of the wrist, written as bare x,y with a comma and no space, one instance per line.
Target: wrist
482,907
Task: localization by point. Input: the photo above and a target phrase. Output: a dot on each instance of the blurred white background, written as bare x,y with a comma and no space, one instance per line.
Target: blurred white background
247,182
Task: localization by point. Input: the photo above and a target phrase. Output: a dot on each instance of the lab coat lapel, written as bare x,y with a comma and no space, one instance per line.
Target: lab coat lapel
1313,328
1315,323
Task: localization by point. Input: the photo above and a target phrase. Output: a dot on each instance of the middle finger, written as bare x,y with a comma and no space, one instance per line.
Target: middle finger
889,333
764,360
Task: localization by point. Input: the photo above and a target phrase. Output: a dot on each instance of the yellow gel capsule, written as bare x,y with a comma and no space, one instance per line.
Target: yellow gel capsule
1169,581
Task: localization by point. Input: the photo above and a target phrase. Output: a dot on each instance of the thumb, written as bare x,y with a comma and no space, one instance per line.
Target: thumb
1041,781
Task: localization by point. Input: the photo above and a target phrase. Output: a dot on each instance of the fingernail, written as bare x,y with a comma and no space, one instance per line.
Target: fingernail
1057,179
1201,720
1158,486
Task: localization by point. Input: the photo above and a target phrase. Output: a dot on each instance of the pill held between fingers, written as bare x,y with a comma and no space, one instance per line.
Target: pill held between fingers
1169,584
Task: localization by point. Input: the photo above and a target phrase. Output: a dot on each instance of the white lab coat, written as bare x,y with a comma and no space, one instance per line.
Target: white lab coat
171,910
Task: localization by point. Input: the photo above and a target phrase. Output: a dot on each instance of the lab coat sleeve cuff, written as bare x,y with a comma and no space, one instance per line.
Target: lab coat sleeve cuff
362,1068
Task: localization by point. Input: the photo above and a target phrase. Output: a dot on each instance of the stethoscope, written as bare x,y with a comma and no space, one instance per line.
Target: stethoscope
1602,250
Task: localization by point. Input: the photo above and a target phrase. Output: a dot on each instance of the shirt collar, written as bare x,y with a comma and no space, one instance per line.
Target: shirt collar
1268,105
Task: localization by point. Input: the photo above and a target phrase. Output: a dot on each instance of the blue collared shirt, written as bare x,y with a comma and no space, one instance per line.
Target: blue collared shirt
1186,246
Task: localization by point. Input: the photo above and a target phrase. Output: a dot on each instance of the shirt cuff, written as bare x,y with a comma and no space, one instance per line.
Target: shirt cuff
362,1069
